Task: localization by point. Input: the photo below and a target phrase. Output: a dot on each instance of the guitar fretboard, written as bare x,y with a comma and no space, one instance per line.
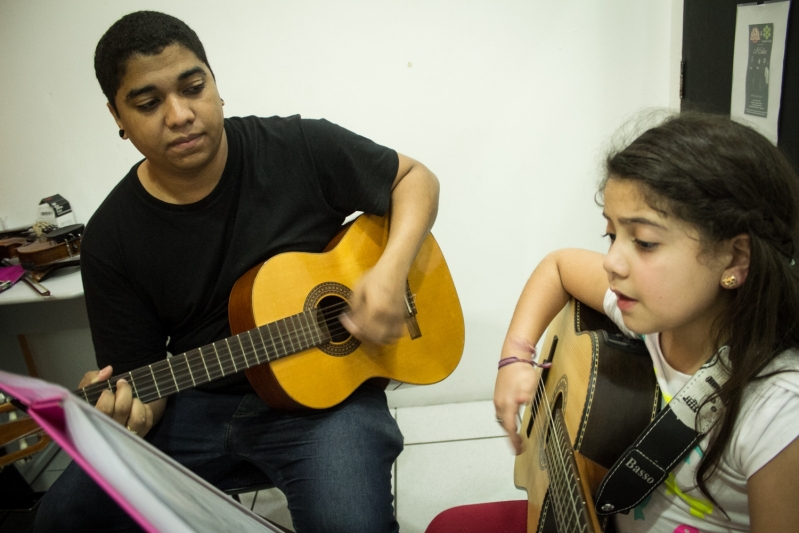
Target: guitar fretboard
221,358
566,494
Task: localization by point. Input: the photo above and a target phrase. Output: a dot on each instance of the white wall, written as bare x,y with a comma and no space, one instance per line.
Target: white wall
509,102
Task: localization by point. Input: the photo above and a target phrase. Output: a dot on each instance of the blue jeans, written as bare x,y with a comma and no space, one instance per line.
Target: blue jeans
334,465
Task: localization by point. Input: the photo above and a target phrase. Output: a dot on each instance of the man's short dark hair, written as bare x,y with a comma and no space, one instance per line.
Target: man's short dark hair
141,33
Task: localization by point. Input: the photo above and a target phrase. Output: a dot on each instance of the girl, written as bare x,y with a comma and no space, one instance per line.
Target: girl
701,215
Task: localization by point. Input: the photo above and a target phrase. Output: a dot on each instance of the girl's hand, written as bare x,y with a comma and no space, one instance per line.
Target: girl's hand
515,386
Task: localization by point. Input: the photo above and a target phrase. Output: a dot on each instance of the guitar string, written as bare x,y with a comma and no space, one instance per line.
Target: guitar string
562,473
566,477
234,356
545,427
557,472
295,336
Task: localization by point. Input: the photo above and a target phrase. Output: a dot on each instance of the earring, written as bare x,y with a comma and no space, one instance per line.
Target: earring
729,282
223,102
121,134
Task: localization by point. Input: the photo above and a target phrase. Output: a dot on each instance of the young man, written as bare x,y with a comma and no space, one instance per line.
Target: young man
212,198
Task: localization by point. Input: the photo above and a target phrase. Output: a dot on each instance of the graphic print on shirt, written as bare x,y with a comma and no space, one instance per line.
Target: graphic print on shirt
698,507
638,512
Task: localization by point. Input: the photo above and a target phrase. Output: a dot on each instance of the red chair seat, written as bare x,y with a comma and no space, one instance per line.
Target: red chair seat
492,517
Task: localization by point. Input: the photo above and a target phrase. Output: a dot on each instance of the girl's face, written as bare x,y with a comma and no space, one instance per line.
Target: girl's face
655,266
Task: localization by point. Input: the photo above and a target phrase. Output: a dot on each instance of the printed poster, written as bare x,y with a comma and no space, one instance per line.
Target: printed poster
760,36
757,71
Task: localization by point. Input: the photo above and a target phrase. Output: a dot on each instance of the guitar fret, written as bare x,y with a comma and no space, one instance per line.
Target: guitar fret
133,384
155,382
188,366
294,334
243,349
263,344
274,334
255,352
279,334
310,330
313,325
202,358
230,354
232,358
284,336
195,362
221,368
272,339
321,326
215,368
142,379
173,373
301,329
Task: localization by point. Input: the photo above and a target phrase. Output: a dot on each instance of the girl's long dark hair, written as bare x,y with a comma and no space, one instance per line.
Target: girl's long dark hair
726,179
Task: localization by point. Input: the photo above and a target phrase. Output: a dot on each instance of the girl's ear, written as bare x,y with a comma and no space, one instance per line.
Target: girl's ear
738,267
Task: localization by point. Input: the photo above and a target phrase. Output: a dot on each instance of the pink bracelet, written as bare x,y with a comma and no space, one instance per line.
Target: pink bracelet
510,360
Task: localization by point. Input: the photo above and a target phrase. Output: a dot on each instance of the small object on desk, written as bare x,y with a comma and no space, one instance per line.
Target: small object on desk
55,210
35,285
9,275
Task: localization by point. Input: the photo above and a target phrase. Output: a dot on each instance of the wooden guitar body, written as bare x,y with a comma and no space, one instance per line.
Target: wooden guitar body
322,376
591,404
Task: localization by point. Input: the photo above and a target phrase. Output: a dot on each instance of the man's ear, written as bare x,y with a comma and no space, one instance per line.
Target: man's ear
738,266
114,114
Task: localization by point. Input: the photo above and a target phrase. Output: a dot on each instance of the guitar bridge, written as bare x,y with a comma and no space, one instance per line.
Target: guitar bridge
410,307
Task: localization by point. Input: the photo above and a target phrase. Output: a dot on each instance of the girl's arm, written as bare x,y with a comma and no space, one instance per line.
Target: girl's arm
774,491
562,274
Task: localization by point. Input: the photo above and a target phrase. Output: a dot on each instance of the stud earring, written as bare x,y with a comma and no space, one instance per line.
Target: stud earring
223,102
121,134
729,282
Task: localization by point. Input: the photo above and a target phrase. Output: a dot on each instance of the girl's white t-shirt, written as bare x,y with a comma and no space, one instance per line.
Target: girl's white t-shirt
767,423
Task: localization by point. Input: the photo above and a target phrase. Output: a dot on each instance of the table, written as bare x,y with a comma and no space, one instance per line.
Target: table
63,284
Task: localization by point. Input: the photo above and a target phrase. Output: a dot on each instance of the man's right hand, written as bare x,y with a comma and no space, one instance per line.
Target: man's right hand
136,416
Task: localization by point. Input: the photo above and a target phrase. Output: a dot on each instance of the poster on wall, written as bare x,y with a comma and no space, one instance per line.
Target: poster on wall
760,35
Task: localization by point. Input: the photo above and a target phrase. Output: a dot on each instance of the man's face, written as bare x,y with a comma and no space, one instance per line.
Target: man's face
170,109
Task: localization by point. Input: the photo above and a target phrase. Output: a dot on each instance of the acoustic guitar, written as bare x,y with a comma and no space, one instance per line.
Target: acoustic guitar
591,404
284,314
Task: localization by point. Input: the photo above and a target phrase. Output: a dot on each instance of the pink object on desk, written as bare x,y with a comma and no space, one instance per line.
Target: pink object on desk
10,274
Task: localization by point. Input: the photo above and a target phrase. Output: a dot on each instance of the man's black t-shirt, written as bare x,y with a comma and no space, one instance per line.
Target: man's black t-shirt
157,276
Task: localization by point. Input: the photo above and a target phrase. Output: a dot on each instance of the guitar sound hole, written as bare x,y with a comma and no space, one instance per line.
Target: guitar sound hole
330,299
331,307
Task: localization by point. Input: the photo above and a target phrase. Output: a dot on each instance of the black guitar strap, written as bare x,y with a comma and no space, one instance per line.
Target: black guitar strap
673,433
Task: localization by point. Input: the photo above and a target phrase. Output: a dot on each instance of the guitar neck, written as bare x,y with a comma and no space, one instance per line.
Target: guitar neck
566,492
222,358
